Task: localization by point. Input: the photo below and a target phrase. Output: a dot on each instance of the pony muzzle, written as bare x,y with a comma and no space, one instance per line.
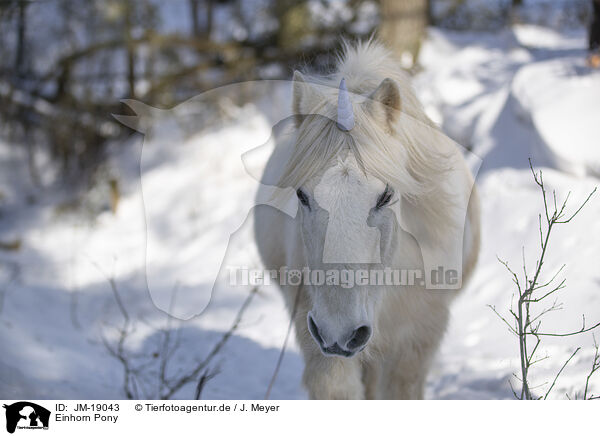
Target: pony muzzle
347,344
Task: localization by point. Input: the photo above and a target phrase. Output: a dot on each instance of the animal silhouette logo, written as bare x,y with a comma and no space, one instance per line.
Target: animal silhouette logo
191,180
190,261
26,415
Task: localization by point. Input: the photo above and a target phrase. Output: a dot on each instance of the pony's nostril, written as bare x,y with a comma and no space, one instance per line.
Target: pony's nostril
314,330
360,337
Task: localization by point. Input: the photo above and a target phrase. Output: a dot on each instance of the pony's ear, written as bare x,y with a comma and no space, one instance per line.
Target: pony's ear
303,98
143,117
384,103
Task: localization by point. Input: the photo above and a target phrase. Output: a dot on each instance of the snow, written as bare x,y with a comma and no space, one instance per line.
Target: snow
55,313
524,92
515,84
550,92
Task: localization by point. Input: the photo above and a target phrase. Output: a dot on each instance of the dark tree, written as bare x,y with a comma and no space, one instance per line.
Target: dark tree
594,35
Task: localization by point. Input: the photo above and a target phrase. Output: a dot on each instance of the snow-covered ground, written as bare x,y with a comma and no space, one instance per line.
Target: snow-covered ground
521,93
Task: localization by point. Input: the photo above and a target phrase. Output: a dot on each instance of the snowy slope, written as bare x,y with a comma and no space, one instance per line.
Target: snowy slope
550,93
57,309
502,96
483,89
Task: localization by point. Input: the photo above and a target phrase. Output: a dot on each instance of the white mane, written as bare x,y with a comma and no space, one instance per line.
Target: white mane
409,158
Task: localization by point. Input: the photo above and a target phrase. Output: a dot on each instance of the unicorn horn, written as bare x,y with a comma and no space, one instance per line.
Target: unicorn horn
345,116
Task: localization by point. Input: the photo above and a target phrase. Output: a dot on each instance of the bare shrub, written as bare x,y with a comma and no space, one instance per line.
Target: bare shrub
527,312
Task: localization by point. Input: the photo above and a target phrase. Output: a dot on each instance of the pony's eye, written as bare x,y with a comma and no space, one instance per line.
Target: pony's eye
302,197
385,198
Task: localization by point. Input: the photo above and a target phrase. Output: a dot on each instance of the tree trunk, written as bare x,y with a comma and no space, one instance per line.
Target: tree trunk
197,30
403,24
130,49
21,29
209,18
594,33
195,22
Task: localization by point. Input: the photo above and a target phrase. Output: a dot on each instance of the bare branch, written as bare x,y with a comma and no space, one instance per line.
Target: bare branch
582,330
559,372
283,347
511,328
595,367
206,376
527,323
579,209
192,375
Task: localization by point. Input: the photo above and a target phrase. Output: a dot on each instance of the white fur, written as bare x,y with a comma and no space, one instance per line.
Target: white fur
343,174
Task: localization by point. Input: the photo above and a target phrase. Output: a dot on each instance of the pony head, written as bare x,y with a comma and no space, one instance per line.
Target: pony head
370,181
350,177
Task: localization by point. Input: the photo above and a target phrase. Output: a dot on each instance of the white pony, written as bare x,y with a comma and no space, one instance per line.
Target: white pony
379,188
